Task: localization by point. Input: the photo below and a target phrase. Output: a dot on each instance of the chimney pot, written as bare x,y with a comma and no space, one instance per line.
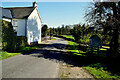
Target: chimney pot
34,4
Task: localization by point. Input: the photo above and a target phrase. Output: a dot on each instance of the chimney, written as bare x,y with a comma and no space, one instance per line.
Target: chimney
34,4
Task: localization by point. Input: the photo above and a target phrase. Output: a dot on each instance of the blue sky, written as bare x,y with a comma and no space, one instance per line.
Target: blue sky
55,14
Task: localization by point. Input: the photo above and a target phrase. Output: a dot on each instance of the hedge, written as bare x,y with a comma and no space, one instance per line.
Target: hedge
10,42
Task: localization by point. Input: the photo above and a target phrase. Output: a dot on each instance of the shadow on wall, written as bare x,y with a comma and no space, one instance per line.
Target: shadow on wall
33,30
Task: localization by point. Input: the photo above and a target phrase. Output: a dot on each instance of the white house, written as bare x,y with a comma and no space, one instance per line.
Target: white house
26,21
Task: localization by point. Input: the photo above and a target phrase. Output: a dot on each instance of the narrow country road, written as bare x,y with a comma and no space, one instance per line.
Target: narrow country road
41,63
50,61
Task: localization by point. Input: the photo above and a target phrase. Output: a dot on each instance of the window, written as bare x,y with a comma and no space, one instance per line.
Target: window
14,22
15,33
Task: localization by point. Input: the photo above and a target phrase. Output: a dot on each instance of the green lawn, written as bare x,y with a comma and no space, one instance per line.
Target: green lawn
53,39
98,69
27,49
68,36
4,54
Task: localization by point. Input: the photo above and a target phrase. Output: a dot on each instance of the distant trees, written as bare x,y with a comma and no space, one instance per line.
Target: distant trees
44,30
50,32
107,16
64,30
80,32
67,29
77,32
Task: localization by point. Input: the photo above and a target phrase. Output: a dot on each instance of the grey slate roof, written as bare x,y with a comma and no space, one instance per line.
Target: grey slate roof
20,12
5,13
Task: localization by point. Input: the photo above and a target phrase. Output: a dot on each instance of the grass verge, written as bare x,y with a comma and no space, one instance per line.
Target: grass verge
53,39
4,54
99,69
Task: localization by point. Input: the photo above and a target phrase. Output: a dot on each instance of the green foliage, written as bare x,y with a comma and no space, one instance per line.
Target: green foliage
77,32
101,17
98,71
27,49
7,35
19,42
50,32
5,55
10,42
53,39
0,33
23,50
72,45
44,30
96,62
68,36
64,30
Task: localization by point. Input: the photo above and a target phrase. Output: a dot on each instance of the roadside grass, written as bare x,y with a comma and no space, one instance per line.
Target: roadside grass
99,69
25,50
53,39
68,36
72,48
85,39
100,72
4,55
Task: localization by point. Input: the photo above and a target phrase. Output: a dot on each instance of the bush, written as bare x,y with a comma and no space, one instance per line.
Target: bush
10,42
7,35
18,42
44,30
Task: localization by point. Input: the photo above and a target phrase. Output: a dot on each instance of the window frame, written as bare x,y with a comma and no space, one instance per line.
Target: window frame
15,23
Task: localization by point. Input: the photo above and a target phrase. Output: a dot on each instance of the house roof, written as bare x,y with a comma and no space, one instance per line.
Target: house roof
21,12
5,13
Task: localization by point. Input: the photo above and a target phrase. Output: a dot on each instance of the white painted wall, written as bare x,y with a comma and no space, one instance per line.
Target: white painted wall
20,29
34,27
9,20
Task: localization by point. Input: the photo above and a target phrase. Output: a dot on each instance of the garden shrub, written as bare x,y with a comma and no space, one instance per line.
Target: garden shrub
18,42
7,35
10,42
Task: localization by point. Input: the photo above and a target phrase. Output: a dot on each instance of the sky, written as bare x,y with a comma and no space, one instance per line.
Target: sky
56,14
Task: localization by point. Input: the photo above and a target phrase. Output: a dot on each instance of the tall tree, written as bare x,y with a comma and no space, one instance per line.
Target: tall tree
77,32
107,16
63,29
44,30
59,31
67,29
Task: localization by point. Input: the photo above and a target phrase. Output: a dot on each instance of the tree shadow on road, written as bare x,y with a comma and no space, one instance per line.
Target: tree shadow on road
58,53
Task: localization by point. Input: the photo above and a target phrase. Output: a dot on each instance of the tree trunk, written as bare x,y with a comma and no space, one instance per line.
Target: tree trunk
115,43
